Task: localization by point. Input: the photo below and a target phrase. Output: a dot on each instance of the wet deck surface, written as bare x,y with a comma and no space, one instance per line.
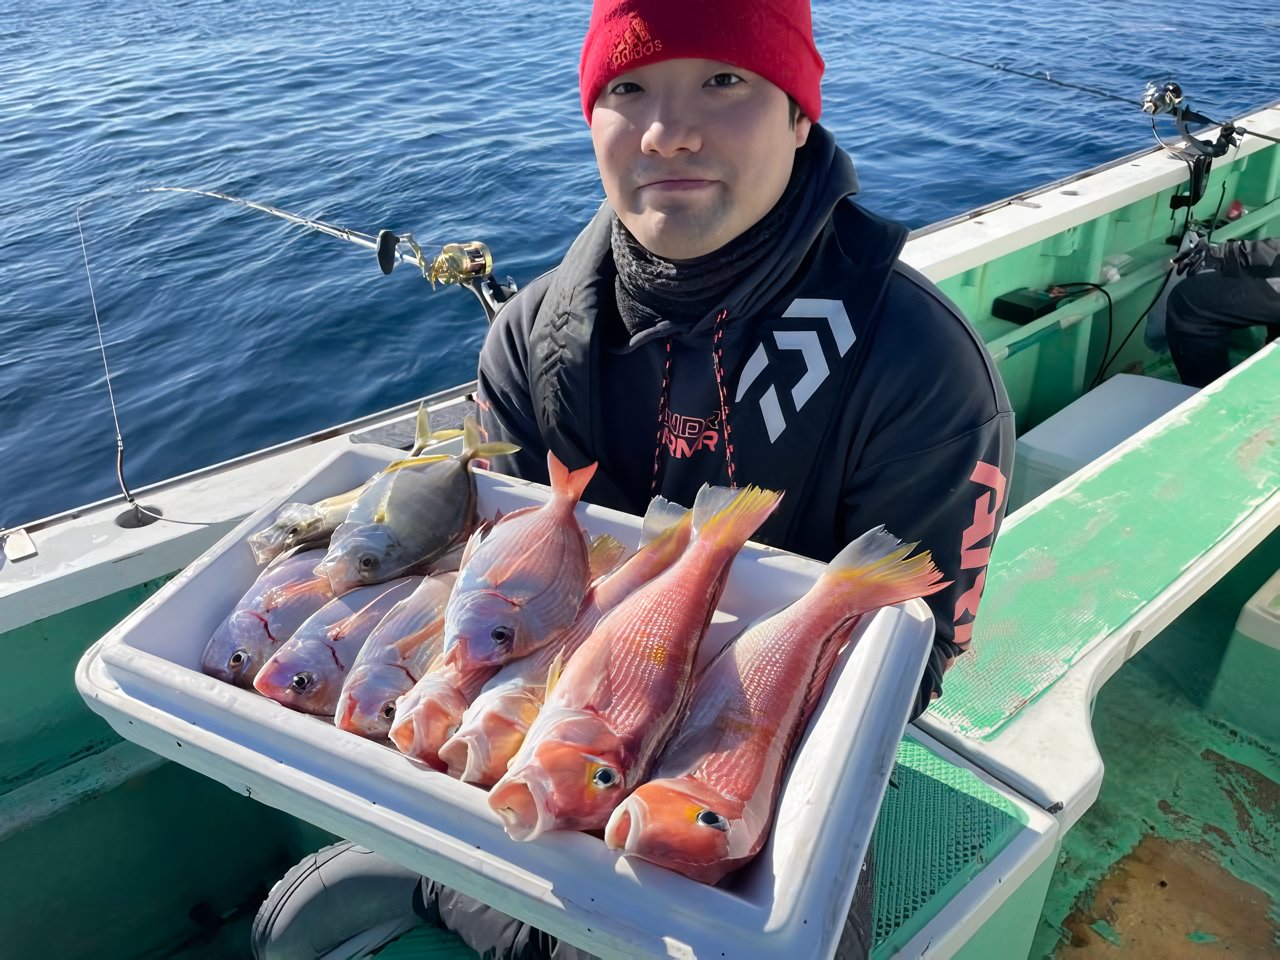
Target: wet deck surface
1180,856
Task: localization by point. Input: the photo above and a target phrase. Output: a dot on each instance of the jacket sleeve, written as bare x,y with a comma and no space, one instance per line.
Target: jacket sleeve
950,497
503,397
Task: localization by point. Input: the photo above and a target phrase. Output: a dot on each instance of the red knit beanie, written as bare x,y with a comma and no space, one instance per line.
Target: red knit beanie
773,38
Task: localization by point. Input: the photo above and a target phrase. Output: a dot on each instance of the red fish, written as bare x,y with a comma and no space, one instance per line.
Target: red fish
709,808
429,714
525,582
627,686
395,656
495,724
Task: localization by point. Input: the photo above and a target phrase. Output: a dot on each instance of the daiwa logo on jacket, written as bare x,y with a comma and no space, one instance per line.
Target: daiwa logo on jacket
809,344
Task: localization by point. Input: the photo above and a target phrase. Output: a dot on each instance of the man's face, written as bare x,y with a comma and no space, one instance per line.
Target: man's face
693,152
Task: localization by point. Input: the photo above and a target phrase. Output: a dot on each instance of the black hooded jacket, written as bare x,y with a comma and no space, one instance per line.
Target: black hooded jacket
850,383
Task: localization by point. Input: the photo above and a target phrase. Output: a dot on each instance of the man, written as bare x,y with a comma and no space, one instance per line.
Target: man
729,316
1229,286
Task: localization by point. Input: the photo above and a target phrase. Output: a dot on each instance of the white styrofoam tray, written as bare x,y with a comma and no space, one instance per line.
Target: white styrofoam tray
144,678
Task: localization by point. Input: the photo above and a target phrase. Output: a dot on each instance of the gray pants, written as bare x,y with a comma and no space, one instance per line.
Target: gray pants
346,901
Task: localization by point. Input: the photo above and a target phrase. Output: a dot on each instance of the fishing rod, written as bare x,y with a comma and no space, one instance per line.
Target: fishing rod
469,265
1165,98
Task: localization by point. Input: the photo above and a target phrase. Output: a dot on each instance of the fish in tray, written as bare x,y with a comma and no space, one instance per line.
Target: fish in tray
285,594
397,653
710,805
525,582
411,514
495,724
620,696
307,672
430,714
300,524
296,524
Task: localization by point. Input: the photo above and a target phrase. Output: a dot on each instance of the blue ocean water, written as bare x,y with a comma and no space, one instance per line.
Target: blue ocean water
227,330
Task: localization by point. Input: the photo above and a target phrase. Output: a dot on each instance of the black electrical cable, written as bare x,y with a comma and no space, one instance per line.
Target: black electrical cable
1110,321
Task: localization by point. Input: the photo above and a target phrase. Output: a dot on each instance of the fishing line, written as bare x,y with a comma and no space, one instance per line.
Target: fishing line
102,346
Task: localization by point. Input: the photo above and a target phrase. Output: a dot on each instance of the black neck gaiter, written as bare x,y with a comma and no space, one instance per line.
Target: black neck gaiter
651,288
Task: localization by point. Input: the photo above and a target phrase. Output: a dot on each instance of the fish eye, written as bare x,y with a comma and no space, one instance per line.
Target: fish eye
709,818
389,710
502,635
606,777
302,682
367,562
238,659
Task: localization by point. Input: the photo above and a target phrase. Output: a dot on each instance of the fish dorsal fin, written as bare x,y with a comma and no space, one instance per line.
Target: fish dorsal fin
553,673
406,646
603,554
473,543
661,516
414,462
277,597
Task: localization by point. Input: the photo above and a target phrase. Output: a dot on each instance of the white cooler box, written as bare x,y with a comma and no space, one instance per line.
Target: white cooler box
1086,429
143,677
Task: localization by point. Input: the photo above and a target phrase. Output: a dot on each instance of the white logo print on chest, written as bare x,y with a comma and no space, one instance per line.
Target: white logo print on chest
809,345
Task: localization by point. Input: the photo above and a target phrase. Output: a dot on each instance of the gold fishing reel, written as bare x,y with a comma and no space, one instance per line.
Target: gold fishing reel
455,263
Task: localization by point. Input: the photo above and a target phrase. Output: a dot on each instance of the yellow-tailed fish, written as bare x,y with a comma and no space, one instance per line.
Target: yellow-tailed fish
409,516
710,805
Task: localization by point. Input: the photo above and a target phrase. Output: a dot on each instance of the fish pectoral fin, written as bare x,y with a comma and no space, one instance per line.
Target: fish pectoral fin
553,672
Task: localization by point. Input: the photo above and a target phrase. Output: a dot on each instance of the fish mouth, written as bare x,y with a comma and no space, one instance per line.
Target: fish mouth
467,757
626,826
521,803
342,572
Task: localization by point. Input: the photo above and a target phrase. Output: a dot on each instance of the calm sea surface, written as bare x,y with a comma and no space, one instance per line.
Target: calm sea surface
228,330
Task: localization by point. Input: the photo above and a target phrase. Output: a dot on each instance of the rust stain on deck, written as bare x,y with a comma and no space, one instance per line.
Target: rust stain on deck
1172,900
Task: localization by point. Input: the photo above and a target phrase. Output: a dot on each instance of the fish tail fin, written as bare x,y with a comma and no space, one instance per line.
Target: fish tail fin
728,516
568,483
421,428
877,570
661,516
474,445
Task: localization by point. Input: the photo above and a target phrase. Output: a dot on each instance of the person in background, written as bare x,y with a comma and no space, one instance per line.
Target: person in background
1227,287
729,316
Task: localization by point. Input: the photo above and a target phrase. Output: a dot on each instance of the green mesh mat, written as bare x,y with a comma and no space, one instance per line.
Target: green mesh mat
1072,573
939,826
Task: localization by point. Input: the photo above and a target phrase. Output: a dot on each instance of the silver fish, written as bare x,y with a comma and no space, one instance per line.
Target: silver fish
411,514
